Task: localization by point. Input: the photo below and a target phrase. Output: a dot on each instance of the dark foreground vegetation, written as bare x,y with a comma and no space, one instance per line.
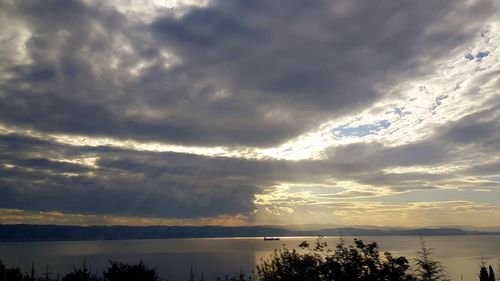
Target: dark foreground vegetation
314,262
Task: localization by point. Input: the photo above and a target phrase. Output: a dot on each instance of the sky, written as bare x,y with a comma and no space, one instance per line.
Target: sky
237,112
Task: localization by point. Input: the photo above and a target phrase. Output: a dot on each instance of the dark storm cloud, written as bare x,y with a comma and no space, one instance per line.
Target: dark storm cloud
134,183
124,183
250,73
164,184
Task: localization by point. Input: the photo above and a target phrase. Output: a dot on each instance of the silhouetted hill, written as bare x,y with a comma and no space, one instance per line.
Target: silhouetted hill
382,232
26,232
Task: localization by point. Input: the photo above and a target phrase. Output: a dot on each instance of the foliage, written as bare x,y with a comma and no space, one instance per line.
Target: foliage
125,272
486,274
10,274
492,274
359,262
80,274
483,274
428,269
241,277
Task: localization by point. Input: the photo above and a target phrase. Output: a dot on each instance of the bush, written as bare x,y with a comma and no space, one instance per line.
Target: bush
10,274
125,272
80,274
241,277
359,262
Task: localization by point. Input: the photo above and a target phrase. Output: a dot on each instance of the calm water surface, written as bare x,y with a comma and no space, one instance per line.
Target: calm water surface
174,258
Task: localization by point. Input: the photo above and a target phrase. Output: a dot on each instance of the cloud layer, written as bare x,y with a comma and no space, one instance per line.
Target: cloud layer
233,73
194,113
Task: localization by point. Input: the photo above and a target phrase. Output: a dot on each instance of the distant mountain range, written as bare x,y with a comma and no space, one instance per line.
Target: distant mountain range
26,232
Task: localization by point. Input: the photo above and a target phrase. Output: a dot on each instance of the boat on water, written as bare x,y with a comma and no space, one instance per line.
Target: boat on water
271,238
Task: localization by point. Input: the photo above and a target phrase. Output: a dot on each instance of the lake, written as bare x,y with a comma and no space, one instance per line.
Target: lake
174,258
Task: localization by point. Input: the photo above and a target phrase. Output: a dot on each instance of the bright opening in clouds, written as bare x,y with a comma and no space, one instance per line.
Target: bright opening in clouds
250,112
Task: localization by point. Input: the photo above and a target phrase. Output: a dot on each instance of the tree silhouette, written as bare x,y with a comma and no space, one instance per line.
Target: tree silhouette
32,274
319,263
483,274
241,277
492,274
10,274
124,272
80,274
47,274
428,269
191,273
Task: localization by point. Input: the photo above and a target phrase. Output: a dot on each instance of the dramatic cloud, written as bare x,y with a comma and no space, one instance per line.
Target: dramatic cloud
234,73
120,182
237,112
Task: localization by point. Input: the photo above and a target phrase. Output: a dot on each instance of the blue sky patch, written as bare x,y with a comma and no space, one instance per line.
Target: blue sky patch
481,55
361,131
478,57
